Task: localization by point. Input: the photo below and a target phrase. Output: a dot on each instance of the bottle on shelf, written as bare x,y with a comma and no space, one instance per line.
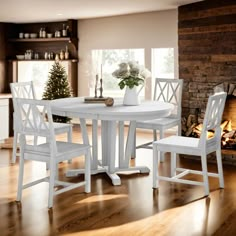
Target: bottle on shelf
44,33
62,55
64,31
41,33
66,54
46,55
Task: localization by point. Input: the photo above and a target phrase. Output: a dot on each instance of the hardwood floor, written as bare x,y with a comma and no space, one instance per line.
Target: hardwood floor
130,209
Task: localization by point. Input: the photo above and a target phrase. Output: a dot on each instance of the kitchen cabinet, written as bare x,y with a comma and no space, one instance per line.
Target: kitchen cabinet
4,116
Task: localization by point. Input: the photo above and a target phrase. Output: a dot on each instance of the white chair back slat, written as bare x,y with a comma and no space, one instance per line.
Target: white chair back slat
169,90
23,90
35,119
213,118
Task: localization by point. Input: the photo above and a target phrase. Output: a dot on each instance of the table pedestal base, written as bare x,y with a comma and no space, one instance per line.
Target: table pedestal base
113,176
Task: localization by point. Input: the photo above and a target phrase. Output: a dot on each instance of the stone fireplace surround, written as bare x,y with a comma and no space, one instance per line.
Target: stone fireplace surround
207,53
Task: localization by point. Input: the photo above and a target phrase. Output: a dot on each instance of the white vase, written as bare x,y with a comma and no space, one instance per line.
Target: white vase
131,97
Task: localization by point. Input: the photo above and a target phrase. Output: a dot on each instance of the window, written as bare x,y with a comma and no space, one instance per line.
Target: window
162,64
37,72
105,62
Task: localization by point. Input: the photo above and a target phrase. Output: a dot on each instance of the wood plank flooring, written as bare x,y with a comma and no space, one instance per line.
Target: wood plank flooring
130,209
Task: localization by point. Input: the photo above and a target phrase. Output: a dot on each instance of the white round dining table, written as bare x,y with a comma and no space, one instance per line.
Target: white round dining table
110,118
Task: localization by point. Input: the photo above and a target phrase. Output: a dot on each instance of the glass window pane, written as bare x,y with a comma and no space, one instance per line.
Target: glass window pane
38,72
162,64
105,62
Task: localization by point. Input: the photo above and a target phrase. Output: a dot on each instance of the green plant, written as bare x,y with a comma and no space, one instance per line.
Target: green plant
131,74
57,86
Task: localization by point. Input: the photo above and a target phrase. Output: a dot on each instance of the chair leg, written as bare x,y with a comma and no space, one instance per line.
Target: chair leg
154,135
219,167
14,150
173,164
69,138
156,156
20,177
87,173
205,174
133,152
179,129
162,154
51,183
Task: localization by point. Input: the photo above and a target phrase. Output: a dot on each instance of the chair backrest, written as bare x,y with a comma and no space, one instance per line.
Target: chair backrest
169,90
35,121
23,90
212,119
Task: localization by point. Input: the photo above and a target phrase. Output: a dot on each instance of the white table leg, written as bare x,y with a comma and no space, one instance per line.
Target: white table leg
124,160
109,150
94,162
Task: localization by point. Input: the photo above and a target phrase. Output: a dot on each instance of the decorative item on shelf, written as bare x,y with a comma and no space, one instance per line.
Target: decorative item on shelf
57,57
131,75
26,35
41,33
28,54
33,35
36,55
49,35
66,53
20,57
44,33
21,35
62,55
64,31
46,55
51,55
57,34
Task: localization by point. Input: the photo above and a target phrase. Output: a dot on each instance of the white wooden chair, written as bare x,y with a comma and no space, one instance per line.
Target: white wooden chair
35,121
167,90
194,146
26,90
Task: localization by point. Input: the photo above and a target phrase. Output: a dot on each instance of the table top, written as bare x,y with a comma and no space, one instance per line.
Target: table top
76,107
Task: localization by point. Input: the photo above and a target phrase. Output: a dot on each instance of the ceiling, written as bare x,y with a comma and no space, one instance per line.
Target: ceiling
24,11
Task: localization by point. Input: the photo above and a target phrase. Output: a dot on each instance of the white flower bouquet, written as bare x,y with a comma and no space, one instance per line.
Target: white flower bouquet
131,74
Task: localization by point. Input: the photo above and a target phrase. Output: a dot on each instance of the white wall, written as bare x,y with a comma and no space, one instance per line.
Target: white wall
146,30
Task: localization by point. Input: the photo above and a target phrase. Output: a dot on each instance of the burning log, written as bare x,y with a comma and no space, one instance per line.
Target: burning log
229,135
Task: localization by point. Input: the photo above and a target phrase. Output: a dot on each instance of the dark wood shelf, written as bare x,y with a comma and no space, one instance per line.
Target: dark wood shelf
61,39
74,41
72,60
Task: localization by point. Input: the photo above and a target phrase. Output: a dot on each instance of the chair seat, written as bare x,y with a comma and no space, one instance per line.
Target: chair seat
62,147
179,144
157,123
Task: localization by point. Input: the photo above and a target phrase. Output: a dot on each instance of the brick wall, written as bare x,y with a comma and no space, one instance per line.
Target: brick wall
207,50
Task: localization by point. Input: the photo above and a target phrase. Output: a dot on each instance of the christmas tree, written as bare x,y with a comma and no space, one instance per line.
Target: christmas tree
57,86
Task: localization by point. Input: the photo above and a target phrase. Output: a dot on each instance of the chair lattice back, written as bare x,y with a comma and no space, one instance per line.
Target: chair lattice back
23,90
213,117
34,118
169,90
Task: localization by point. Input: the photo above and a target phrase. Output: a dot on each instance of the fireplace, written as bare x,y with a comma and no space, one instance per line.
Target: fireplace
192,125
